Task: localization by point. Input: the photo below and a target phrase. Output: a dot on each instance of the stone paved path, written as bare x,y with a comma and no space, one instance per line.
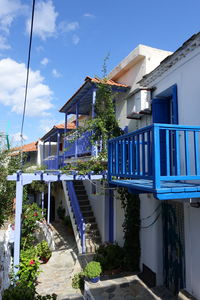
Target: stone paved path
57,273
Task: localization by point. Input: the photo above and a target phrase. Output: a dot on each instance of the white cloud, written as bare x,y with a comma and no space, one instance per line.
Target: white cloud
88,15
3,43
46,124
9,10
44,61
56,74
12,89
68,26
39,49
75,39
16,137
44,20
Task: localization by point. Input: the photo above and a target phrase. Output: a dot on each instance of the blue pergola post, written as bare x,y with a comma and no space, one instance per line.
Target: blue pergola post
58,149
65,132
94,94
49,202
77,124
18,212
111,217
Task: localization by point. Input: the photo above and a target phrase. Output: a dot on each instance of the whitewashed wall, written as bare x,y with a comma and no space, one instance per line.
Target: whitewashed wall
186,75
97,202
151,238
118,220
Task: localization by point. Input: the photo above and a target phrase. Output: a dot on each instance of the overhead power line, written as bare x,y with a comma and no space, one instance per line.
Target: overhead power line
27,77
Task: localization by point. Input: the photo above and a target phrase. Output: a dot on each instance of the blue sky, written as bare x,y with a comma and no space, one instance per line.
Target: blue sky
70,41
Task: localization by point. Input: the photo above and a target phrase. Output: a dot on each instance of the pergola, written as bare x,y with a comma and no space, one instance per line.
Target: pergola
23,179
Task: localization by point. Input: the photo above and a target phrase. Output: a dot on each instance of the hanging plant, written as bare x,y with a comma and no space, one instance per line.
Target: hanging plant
131,227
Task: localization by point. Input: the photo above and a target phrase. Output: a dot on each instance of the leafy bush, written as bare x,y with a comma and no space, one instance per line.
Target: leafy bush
43,251
92,269
31,214
22,292
78,281
110,256
28,269
19,292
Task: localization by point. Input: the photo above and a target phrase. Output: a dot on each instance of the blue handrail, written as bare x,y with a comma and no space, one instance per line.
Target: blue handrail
77,213
159,152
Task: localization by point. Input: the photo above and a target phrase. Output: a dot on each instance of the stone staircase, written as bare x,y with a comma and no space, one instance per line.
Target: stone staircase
93,238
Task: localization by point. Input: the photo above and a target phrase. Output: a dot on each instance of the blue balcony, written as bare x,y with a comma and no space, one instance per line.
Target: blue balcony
77,148
162,159
54,162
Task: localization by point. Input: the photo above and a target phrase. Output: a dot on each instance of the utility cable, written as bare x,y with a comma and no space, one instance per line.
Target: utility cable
148,226
27,79
155,210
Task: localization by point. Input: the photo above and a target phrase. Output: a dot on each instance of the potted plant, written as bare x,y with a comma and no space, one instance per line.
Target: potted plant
93,271
43,251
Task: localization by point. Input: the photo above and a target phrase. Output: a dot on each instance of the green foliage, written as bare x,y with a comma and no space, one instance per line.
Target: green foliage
19,292
8,165
28,270
31,214
131,226
43,251
78,281
61,212
110,256
93,269
96,165
23,292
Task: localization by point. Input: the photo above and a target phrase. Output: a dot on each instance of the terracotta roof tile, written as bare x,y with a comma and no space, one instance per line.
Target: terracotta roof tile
27,148
107,81
62,126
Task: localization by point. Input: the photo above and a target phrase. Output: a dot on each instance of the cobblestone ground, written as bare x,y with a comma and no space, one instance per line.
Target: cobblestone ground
57,273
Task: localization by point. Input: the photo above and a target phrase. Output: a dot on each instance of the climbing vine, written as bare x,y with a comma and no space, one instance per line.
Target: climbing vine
131,227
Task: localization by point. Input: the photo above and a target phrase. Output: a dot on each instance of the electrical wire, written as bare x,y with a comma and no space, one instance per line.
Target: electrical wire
155,210
148,226
27,79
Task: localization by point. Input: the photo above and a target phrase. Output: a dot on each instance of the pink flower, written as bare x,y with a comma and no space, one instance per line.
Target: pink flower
31,262
35,214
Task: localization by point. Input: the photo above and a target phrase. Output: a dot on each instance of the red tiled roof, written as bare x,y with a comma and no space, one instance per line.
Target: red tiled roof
105,81
27,148
95,80
62,126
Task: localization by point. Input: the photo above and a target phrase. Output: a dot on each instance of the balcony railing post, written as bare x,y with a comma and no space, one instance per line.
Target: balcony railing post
156,156
58,150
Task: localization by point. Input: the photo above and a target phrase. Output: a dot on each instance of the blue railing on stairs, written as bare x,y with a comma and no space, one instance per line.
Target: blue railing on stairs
77,213
159,152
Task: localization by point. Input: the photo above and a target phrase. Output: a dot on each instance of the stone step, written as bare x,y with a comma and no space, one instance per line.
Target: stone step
94,231
79,188
87,214
84,202
81,193
85,208
82,197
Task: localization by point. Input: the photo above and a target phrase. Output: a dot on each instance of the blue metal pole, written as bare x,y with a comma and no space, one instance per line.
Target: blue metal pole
43,203
94,93
18,212
65,132
58,149
77,124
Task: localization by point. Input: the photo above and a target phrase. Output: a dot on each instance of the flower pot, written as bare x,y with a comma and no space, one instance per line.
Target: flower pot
95,279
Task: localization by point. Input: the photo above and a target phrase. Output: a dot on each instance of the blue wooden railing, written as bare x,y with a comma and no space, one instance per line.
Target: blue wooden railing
77,213
78,147
54,162
159,152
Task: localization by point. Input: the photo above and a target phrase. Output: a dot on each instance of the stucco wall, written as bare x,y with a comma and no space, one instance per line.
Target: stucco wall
97,202
151,238
118,220
185,74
